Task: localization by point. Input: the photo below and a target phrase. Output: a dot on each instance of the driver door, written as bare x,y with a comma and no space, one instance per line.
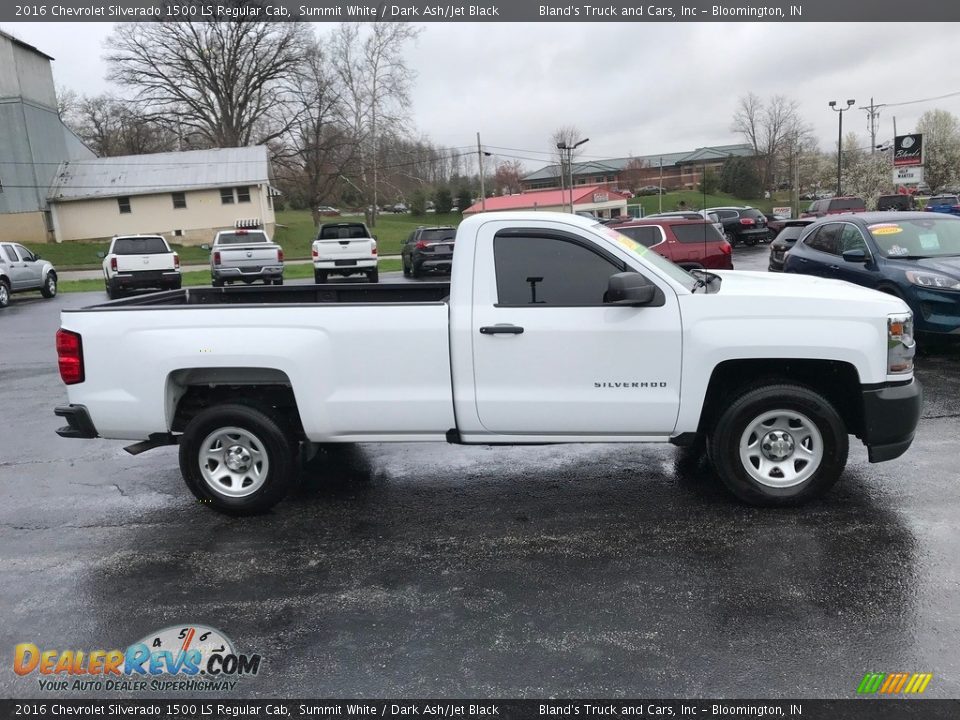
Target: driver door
30,268
551,358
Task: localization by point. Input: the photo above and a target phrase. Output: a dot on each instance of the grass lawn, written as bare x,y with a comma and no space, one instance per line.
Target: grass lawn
202,277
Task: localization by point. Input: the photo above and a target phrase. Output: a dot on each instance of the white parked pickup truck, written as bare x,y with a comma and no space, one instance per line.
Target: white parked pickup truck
344,248
134,262
553,329
244,255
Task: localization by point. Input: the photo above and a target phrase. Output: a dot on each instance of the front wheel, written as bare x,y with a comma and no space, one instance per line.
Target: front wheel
49,288
4,293
779,445
237,459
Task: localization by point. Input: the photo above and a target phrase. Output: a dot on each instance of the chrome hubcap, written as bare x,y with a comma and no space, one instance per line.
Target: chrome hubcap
52,285
233,462
781,448
3,295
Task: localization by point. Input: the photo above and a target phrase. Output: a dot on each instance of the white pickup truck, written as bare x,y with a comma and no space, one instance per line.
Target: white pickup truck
244,255
344,248
134,262
553,329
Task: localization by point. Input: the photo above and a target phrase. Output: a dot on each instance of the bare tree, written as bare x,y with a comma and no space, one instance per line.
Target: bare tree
773,129
633,174
941,152
507,176
228,82
110,127
369,61
567,136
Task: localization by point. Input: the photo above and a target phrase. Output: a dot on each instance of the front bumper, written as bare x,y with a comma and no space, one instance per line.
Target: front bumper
890,417
79,424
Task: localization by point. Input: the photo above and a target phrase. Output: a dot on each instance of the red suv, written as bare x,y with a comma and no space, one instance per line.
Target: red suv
834,206
688,243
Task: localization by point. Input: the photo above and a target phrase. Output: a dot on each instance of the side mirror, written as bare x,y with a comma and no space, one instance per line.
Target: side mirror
36,256
101,254
631,289
855,256
205,246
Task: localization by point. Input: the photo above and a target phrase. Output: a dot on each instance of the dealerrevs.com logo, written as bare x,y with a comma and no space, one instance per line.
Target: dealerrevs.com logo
180,657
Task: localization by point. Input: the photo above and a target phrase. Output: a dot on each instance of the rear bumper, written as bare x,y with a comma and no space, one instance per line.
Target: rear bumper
890,417
145,279
236,273
358,264
79,424
440,264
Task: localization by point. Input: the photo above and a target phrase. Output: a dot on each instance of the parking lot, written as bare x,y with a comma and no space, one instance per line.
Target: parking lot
433,570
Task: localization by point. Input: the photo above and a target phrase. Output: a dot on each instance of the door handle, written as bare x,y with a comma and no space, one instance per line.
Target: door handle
834,267
501,330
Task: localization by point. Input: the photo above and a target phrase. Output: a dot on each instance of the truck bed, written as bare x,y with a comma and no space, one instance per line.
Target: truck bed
343,293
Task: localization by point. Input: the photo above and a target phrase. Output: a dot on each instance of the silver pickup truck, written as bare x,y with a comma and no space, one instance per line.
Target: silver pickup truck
23,271
245,255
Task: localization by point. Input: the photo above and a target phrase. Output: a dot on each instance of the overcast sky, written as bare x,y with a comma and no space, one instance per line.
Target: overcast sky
632,88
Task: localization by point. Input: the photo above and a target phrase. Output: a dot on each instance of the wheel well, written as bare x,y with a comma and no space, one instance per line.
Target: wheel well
837,381
191,391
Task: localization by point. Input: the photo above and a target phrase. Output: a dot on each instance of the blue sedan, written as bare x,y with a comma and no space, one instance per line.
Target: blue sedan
913,255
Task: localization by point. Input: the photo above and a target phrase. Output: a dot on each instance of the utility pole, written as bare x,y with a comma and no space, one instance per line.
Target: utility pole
873,114
660,189
840,109
483,192
561,146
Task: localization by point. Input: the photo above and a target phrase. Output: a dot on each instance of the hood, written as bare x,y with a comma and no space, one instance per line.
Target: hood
945,265
799,289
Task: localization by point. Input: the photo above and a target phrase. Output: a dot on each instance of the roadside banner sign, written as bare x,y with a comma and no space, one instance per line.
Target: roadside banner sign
784,212
908,150
908,175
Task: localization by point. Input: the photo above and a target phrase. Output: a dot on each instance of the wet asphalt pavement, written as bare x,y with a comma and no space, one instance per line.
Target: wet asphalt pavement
424,570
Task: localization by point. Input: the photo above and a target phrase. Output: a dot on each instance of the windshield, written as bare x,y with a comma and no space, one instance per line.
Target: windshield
140,246
933,237
343,232
438,234
696,233
660,262
791,232
242,238
847,204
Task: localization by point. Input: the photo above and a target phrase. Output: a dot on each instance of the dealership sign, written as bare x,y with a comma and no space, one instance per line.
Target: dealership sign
908,175
908,150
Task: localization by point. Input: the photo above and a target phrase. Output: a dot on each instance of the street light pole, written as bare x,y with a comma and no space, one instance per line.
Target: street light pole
562,145
841,110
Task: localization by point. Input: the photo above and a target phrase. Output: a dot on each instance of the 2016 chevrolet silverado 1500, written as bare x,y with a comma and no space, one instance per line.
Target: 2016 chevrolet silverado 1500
553,329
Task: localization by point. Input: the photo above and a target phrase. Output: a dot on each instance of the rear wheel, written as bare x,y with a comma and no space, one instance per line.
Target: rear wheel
750,241
113,292
731,238
319,277
216,282
278,281
49,288
779,445
238,459
406,268
414,270
4,293
373,276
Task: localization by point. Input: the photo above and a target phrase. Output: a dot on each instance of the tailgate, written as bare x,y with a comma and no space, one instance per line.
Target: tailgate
140,263
440,247
249,255
344,248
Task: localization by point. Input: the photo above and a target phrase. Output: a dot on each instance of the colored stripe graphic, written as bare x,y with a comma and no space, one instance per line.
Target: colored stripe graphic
894,683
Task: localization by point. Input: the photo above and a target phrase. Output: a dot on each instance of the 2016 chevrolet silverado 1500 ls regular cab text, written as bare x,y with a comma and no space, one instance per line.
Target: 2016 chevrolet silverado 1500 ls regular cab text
553,329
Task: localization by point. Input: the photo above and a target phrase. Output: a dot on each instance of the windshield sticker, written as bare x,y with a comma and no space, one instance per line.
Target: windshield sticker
929,241
897,250
624,242
885,229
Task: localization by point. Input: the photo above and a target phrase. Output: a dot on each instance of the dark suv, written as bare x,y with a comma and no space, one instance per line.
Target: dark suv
428,249
835,206
742,224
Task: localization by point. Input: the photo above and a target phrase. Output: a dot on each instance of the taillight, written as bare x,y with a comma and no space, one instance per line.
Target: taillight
176,261
279,255
70,356
374,251
726,248
421,245
956,207
113,264
314,253
747,221
216,258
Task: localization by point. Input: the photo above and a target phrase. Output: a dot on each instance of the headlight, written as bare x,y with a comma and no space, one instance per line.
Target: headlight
933,280
900,344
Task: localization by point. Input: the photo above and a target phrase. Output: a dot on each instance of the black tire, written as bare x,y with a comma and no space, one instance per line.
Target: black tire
724,445
278,281
113,292
216,282
750,241
319,277
177,285
414,270
49,289
406,269
279,451
374,276
4,293
730,237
